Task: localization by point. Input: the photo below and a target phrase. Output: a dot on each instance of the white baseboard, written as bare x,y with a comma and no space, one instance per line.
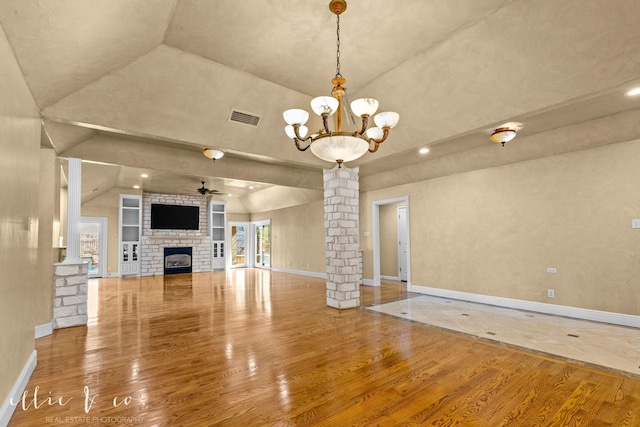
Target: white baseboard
44,330
116,274
9,405
300,272
367,282
559,310
392,278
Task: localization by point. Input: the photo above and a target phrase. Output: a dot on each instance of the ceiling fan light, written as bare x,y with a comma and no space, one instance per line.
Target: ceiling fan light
364,107
295,116
375,133
386,119
324,105
502,135
212,153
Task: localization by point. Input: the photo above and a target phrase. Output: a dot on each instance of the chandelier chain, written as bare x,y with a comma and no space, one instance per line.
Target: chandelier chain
338,46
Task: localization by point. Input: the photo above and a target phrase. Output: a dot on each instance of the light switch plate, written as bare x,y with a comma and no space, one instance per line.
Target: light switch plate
635,223
552,270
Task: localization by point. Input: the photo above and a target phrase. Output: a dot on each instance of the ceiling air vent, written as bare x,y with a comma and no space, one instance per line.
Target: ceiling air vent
244,118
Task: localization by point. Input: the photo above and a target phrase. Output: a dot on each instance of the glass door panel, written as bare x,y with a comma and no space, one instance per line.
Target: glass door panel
263,245
238,245
91,247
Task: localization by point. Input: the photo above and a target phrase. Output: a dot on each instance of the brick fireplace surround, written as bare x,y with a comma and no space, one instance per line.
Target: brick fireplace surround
153,242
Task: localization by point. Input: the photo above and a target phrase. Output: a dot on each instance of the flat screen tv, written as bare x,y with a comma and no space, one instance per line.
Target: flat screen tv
174,217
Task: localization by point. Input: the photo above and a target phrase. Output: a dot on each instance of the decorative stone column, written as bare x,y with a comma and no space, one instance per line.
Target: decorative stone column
341,225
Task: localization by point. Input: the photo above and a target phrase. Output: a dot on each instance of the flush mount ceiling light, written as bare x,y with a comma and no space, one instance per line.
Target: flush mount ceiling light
213,154
348,140
503,135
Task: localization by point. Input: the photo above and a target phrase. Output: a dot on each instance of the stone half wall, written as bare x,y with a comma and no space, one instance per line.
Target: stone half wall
70,295
153,242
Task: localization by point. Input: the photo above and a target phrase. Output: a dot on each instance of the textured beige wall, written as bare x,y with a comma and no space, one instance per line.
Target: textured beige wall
238,217
389,239
48,193
495,231
297,237
19,166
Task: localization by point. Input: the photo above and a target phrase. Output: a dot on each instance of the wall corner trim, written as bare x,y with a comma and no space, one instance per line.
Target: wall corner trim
44,329
7,409
540,307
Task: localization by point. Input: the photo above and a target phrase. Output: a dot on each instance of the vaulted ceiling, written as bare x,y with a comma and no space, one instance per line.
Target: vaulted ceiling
143,86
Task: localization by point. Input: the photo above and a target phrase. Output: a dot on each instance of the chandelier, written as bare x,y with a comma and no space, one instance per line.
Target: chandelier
348,140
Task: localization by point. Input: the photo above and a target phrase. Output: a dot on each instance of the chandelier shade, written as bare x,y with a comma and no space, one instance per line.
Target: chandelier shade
347,140
295,116
342,148
324,105
364,107
387,119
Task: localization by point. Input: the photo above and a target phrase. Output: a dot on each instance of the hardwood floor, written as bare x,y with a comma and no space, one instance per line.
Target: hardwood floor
253,348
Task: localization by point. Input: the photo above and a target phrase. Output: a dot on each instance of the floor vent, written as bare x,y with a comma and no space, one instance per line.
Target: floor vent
244,118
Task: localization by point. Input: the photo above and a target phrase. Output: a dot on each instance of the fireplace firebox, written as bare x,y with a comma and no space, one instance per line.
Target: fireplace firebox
177,260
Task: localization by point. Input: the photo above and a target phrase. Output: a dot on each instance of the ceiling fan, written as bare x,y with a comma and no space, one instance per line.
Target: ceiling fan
204,191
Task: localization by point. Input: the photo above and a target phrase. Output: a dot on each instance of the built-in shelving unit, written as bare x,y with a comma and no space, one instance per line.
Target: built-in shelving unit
130,224
217,221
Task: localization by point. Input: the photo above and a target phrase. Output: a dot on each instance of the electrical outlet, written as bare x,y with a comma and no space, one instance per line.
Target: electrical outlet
551,293
552,270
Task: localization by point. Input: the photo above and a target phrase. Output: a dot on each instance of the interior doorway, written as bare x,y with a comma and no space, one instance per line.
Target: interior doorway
403,240
93,244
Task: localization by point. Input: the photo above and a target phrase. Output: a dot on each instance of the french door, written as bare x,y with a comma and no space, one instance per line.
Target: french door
238,253
262,239
250,244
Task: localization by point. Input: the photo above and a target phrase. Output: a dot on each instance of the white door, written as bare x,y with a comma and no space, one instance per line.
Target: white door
93,232
402,243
